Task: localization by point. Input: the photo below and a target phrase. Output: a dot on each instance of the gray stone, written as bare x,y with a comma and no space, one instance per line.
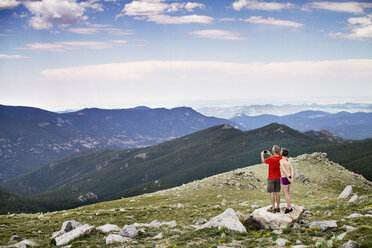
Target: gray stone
281,242
308,213
67,226
267,220
324,225
347,192
73,234
354,198
23,244
341,236
159,236
354,215
255,206
156,223
114,238
129,231
108,228
278,232
15,238
350,244
179,205
299,242
348,228
199,221
227,219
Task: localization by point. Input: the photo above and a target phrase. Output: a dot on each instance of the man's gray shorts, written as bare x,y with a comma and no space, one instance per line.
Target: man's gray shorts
273,185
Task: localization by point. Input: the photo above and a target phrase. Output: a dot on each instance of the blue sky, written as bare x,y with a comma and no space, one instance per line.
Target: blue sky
59,54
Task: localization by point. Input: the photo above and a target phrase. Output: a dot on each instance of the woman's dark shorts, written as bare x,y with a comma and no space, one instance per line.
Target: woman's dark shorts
273,185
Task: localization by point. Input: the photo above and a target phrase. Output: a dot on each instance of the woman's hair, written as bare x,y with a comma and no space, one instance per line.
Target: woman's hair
284,152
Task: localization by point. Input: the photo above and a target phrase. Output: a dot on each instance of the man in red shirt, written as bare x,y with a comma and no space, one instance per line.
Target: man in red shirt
273,180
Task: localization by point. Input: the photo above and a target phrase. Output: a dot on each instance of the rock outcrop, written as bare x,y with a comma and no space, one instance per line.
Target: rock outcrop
75,233
108,228
267,220
129,231
346,193
350,244
67,226
228,219
324,225
114,238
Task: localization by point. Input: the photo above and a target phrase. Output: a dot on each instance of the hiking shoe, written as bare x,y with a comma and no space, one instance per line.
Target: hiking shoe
288,210
277,210
271,210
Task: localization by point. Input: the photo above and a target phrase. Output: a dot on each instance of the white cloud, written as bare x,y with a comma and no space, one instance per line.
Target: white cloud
155,10
97,28
273,21
5,56
260,5
360,29
166,19
195,80
217,34
350,7
8,4
65,46
47,13
227,19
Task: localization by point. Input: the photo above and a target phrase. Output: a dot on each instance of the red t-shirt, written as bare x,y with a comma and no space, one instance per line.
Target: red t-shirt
274,166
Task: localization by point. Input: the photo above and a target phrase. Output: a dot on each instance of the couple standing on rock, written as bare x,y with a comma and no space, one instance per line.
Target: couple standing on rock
280,172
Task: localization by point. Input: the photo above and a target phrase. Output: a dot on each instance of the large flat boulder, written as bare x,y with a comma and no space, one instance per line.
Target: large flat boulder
267,220
324,225
73,234
228,219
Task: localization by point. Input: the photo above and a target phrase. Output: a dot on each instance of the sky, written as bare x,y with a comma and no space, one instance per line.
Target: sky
69,54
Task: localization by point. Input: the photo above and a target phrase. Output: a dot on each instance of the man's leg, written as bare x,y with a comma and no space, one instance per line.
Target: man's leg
272,197
277,194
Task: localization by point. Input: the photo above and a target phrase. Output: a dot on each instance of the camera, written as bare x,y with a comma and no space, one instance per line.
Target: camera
265,151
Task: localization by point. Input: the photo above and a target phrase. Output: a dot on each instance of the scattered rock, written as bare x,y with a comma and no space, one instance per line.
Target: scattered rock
67,226
329,213
281,242
108,228
199,221
41,217
354,215
280,220
354,198
348,228
23,244
308,213
223,202
179,205
341,236
15,238
299,177
227,219
278,232
129,231
324,225
159,236
299,242
217,206
114,238
156,223
346,192
73,234
350,244
255,206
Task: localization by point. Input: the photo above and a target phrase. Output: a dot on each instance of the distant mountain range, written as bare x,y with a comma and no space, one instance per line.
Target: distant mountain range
31,137
280,110
344,124
114,174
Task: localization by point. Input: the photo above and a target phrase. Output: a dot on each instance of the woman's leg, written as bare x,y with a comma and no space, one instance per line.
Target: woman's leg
287,196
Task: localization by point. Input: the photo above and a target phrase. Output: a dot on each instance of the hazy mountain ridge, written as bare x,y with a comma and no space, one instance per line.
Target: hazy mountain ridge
114,174
344,124
280,110
31,137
